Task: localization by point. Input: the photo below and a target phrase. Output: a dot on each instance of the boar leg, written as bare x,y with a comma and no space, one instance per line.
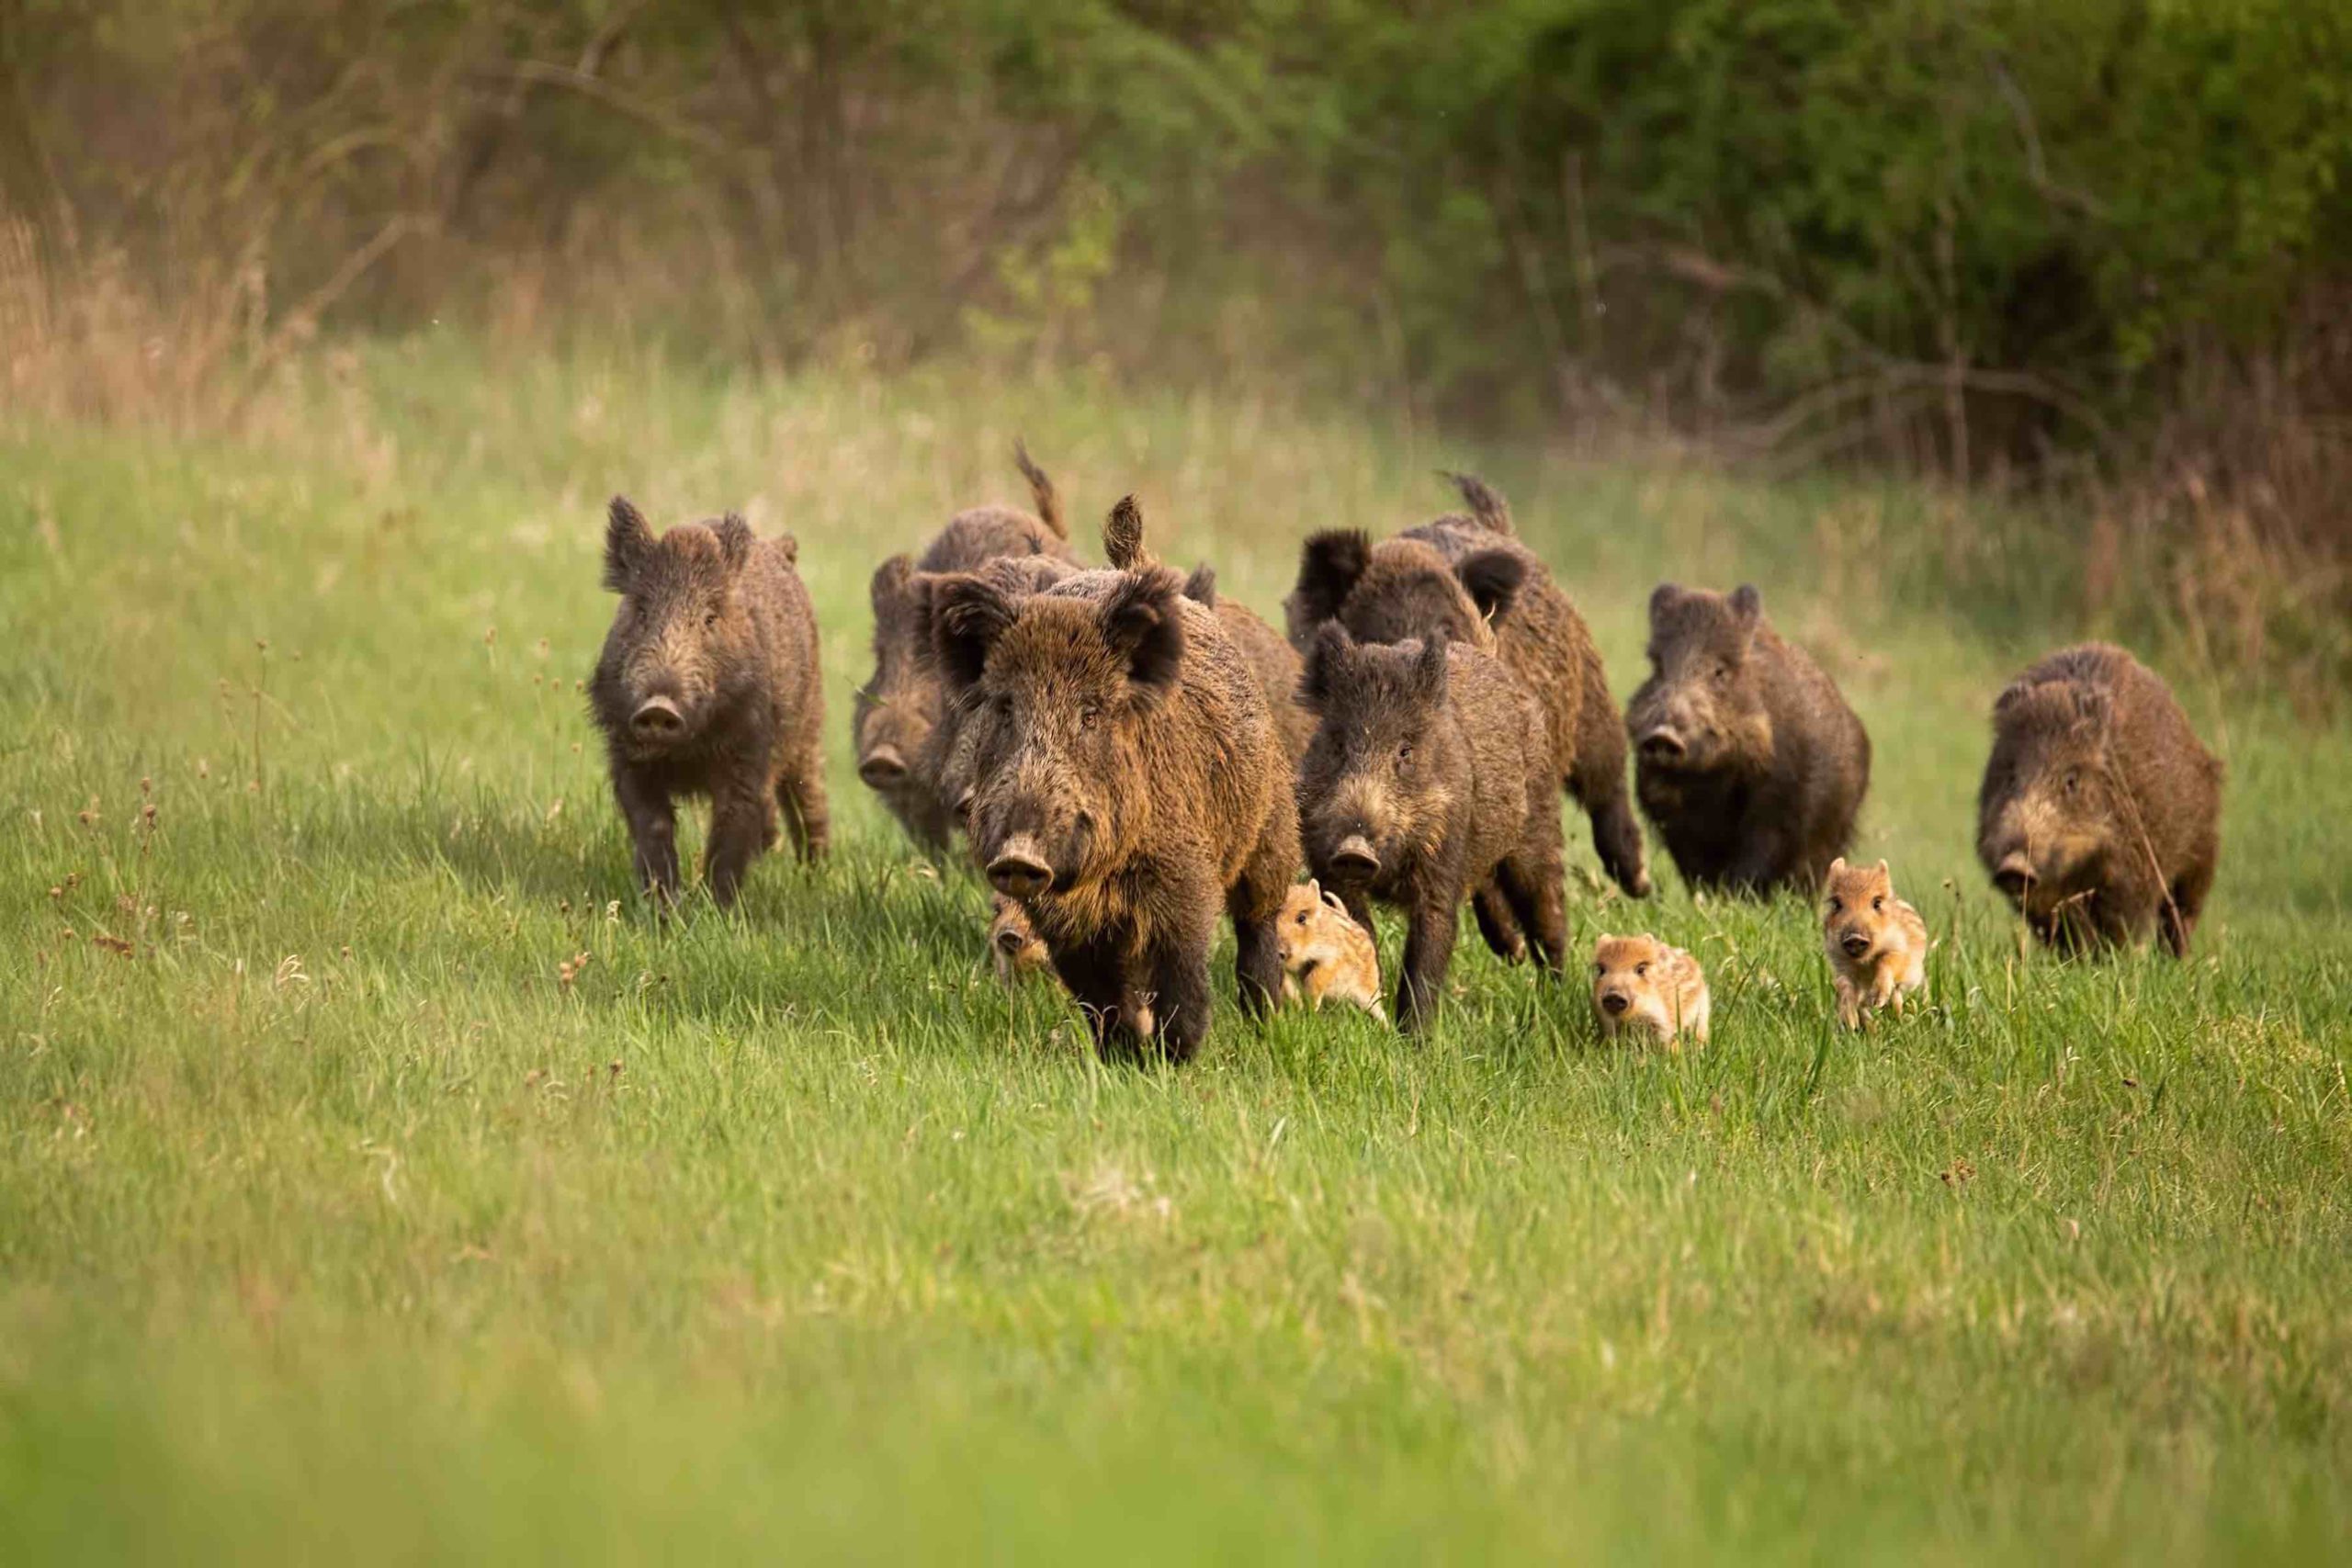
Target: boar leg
1430,930
1096,975
1180,997
1530,881
1616,836
652,819
1254,904
1495,924
1757,863
800,794
2188,902
742,823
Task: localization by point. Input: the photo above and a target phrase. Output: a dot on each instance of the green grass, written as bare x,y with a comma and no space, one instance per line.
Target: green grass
336,1222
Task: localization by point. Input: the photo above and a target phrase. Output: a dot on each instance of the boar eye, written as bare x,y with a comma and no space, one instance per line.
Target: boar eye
1723,674
2073,777
1640,968
1599,970
711,618
1878,903
1303,916
1405,752
1837,906
1087,715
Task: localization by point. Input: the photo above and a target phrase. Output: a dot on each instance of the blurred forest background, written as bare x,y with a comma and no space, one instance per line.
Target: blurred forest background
2097,251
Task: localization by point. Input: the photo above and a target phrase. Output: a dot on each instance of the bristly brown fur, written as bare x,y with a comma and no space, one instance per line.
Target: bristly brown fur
714,639
898,723
1432,759
1127,786
1748,758
1471,578
2100,815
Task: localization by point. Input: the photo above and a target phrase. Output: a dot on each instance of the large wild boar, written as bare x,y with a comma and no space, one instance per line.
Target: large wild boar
1747,758
1452,576
898,710
708,685
2100,811
1127,786
1430,775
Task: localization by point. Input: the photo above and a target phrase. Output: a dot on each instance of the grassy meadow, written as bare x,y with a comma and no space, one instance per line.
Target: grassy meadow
379,1181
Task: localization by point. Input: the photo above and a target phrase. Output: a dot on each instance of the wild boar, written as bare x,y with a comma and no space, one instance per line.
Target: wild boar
1469,576
2100,811
708,685
1877,943
1640,986
1013,946
1748,758
1431,773
898,708
1126,785
1326,954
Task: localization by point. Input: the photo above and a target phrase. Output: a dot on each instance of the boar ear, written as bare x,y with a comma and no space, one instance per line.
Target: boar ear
1328,568
1323,658
1837,869
1122,537
2093,708
1200,587
1884,872
628,537
1429,666
1141,621
1663,599
968,615
889,581
788,547
1492,579
734,541
1747,603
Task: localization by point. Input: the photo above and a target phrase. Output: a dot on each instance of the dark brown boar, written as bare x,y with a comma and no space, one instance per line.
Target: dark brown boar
1127,785
1747,757
1430,775
2100,811
899,709
1468,575
708,685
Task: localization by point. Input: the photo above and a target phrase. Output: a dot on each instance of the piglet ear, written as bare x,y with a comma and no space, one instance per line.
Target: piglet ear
628,540
1492,579
1142,622
1315,886
1747,603
968,615
1431,665
734,542
1328,566
1884,872
1324,659
1837,869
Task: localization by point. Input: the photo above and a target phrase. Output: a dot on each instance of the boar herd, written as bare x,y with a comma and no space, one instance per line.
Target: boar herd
1131,756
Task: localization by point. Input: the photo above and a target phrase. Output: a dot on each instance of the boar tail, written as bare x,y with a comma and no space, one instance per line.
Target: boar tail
1487,508
1123,544
1200,587
1041,490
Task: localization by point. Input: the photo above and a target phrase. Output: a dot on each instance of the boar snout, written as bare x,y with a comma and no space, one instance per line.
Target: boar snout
1019,869
1010,940
657,720
1354,859
1662,743
1856,943
883,768
2014,874
1613,1003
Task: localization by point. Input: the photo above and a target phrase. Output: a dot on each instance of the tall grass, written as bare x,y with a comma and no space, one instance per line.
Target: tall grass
377,1179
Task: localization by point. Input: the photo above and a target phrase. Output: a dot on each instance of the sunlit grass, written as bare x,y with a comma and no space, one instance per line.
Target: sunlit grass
403,1190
